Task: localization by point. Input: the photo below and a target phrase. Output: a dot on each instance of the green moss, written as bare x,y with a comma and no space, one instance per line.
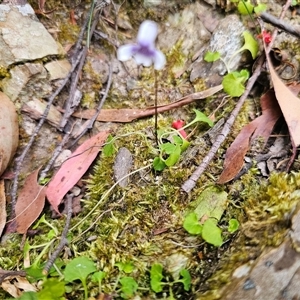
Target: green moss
88,101
266,205
4,72
68,33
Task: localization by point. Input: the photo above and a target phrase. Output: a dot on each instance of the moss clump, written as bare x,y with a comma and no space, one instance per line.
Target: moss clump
267,207
4,72
68,33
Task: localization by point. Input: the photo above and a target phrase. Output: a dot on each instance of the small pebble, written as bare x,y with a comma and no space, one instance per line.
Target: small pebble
122,166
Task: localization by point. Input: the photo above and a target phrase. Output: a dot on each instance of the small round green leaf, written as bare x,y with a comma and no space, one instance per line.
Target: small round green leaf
212,56
79,268
191,224
155,278
158,164
233,225
211,233
128,286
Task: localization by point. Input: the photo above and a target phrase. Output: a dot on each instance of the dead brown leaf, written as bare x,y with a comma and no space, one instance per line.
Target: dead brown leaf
128,115
289,104
74,168
9,127
30,202
15,285
260,127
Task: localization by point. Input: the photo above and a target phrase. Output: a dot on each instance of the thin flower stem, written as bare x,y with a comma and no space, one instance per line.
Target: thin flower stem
155,104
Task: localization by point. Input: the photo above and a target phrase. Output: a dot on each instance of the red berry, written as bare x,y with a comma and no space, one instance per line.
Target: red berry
177,125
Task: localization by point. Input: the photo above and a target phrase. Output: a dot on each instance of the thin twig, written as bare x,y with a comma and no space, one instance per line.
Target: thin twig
101,103
73,101
189,184
64,240
21,158
292,29
55,154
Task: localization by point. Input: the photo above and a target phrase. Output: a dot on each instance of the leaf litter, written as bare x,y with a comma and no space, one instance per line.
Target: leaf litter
122,116
30,202
74,168
262,126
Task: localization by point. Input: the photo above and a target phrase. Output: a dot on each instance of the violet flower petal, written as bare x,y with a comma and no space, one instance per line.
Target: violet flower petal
159,60
147,33
125,52
142,59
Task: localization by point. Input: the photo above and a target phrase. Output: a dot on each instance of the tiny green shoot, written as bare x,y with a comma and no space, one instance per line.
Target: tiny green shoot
108,149
260,8
126,267
156,277
98,277
128,287
212,56
186,279
233,225
169,152
245,7
234,83
79,269
191,224
211,233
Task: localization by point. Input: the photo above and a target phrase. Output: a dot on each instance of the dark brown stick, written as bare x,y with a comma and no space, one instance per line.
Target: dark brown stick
191,182
21,158
63,240
268,18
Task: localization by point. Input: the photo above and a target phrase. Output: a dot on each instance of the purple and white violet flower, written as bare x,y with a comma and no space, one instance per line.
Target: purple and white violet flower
144,51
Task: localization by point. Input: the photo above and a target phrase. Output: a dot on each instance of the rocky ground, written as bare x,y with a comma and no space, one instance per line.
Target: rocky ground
140,221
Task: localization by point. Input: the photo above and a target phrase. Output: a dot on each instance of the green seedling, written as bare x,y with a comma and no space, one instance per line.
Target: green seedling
128,287
233,225
108,149
206,212
208,230
44,181
98,277
126,267
36,269
157,277
169,153
245,7
79,269
234,82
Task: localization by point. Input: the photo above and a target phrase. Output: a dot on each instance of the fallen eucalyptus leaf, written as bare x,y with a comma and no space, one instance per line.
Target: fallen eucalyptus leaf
74,168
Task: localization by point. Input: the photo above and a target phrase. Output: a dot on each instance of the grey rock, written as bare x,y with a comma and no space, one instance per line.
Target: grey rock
23,37
122,166
226,39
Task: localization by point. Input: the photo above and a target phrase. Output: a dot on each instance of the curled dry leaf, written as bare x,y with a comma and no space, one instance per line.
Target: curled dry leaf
30,202
9,128
125,115
288,102
261,126
74,168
